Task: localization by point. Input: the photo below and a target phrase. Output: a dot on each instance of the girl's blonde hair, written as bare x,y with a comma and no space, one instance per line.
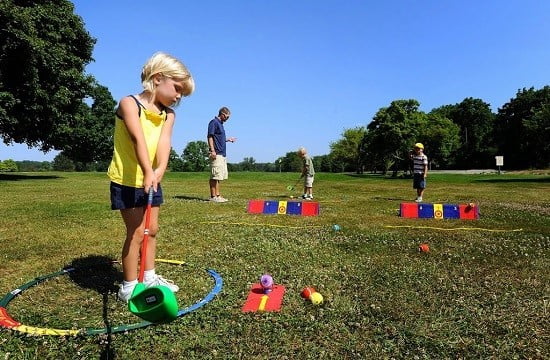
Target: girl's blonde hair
169,66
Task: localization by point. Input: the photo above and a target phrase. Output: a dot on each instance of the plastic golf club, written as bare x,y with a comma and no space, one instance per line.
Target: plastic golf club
155,303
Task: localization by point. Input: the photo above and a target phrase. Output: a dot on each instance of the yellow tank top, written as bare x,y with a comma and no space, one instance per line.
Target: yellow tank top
124,168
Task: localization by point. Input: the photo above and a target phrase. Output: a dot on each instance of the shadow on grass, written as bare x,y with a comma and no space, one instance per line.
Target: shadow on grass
194,198
279,197
380,176
391,198
17,177
363,175
98,273
530,180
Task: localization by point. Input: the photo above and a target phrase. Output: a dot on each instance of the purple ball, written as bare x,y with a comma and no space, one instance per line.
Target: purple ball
267,282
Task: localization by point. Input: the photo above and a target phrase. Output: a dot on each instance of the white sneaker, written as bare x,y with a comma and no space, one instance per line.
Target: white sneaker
418,199
160,281
221,199
214,199
125,293
309,197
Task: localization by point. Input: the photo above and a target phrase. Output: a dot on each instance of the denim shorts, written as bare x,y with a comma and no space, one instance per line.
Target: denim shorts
419,181
128,197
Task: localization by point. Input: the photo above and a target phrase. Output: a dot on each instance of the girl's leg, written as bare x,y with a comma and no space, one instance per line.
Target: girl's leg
152,241
151,278
134,220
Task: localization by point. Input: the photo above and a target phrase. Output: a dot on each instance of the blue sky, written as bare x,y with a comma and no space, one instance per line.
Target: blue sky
297,73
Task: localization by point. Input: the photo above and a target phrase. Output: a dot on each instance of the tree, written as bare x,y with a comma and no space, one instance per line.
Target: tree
476,121
195,156
323,163
175,163
393,131
29,165
91,137
442,137
248,164
537,130
345,151
8,166
390,136
44,49
62,162
291,162
522,130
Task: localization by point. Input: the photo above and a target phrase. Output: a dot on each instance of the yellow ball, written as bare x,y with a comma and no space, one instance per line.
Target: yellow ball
316,298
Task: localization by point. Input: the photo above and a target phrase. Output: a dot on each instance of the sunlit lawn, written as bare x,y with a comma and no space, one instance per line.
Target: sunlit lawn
481,292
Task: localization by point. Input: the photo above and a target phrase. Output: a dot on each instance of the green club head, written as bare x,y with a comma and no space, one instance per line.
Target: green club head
155,304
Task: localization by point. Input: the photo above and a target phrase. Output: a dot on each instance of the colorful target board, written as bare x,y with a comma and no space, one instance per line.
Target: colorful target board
275,207
439,211
258,300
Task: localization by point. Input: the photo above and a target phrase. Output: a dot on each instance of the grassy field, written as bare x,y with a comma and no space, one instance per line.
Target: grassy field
483,291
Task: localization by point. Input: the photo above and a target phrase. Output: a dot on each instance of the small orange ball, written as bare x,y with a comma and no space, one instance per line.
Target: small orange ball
306,293
424,248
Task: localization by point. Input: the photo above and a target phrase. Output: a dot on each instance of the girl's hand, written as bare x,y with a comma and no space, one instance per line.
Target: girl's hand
158,175
149,181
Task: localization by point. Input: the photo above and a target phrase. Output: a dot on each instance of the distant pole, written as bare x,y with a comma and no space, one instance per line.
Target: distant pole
500,162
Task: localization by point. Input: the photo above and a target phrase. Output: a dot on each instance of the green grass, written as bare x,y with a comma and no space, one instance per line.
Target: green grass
477,294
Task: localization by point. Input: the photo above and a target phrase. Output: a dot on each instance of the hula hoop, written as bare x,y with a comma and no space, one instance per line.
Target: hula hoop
8,322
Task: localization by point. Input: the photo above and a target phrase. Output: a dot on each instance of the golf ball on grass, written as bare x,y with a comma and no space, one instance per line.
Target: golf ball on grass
306,293
266,281
336,227
424,248
316,298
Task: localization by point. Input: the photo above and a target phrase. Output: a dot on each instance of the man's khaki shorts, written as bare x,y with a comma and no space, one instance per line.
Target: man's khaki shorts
218,168
308,181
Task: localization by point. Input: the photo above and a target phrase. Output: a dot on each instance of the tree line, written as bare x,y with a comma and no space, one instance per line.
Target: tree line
461,136
48,101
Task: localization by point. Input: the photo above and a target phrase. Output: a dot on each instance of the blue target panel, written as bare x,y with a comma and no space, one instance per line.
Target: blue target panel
271,207
425,210
451,211
294,208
